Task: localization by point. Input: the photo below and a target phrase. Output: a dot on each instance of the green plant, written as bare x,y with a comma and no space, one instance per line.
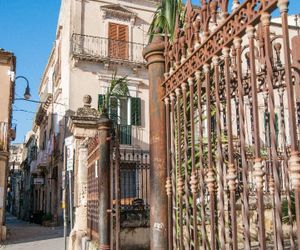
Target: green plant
47,217
118,87
286,217
165,18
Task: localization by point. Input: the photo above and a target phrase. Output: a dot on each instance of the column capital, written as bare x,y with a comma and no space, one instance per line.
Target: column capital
154,52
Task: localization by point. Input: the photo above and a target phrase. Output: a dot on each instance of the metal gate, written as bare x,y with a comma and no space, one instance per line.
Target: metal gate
130,170
232,97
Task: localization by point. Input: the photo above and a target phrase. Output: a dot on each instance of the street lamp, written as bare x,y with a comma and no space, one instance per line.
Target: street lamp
27,94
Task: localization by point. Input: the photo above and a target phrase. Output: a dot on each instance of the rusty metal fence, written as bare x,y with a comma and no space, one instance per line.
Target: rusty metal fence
134,179
93,189
129,186
232,97
130,173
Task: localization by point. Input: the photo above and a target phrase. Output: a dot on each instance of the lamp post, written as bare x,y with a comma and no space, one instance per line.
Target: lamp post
27,94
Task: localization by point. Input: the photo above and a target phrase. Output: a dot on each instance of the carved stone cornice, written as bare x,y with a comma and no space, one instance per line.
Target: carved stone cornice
119,12
87,120
87,111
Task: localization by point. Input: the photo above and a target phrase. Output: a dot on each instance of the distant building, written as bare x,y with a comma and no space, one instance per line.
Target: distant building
15,156
7,77
15,179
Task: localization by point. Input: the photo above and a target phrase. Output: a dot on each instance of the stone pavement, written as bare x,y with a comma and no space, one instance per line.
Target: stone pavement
23,235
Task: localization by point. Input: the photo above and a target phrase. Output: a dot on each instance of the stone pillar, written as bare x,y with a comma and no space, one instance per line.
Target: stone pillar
80,225
83,125
154,54
3,176
104,183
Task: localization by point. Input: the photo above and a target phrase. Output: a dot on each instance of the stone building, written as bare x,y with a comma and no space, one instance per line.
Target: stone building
7,77
15,179
95,41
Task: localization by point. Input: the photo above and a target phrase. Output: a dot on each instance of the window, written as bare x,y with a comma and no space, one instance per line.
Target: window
123,111
128,183
118,41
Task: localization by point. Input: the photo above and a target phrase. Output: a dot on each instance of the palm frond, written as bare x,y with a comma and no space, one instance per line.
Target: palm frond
118,87
165,18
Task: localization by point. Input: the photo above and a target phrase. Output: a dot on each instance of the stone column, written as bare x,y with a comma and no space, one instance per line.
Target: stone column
104,183
3,176
83,125
81,209
154,54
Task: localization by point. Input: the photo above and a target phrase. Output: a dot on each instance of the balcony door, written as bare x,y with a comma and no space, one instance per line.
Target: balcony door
118,41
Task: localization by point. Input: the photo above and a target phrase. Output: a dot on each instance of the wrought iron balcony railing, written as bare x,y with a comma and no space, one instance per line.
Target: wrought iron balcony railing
104,49
42,158
4,136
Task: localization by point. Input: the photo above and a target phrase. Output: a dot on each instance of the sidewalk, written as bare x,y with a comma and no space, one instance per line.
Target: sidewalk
23,235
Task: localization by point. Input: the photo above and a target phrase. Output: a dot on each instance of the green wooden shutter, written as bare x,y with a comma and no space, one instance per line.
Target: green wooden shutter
113,109
136,111
101,100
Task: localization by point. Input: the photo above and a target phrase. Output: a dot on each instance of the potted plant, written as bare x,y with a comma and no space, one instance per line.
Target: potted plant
47,220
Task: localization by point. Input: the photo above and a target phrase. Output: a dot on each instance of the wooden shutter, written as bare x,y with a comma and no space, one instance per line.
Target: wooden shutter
112,39
123,44
136,111
113,109
101,100
118,41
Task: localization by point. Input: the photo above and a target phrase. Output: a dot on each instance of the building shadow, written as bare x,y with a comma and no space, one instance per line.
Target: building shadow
19,231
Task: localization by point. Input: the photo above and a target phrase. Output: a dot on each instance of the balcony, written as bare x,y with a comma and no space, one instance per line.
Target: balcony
42,158
102,49
4,136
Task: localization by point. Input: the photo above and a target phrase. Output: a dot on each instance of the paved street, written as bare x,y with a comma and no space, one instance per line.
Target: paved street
23,235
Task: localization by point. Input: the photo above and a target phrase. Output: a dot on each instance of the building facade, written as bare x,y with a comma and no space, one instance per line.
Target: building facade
7,77
96,42
15,179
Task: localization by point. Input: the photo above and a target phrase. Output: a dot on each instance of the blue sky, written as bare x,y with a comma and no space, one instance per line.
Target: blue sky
28,29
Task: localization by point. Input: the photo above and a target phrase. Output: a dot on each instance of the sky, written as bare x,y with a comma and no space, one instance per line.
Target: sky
28,29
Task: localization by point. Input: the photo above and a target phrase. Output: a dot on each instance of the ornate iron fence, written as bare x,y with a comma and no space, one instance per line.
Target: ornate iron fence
101,49
93,189
232,95
129,185
134,179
